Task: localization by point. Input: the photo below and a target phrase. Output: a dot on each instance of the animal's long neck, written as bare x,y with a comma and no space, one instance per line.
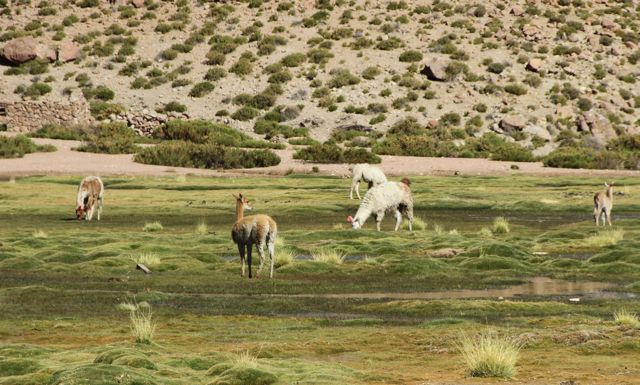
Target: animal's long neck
610,192
239,210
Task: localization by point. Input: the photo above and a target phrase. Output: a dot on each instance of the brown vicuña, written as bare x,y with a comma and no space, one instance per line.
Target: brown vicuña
603,203
90,195
253,230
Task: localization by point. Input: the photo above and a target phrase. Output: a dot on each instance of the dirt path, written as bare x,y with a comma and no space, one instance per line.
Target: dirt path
65,161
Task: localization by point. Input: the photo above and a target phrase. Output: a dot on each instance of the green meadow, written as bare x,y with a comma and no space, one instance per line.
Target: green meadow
331,315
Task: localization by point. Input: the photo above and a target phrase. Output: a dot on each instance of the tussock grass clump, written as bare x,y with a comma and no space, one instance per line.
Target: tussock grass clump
500,225
488,355
244,369
604,238
142,325
625,317
152,226
38,234
202,228
328,256
485,232
418,224
147,259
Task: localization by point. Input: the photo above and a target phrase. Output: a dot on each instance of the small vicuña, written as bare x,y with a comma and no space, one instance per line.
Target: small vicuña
253,230
90,195
603,203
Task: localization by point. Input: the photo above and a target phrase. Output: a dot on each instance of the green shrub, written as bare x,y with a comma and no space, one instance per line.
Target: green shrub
294,60
55,131
101,110
515,89
272,128
341,78
110,138
201,89
370,73
329,152
492,146
19,145
411,56
245,113
205,155
415,145
174,106
242,67
202,131
215,73
169,54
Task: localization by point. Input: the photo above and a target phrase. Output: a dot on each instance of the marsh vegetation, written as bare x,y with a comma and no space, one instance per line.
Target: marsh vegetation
69,289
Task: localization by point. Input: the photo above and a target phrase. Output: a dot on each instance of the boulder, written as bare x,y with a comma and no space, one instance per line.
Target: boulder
20,50
538,131
534,64
608,24
513,123
68,51
598,125
436,69
517,10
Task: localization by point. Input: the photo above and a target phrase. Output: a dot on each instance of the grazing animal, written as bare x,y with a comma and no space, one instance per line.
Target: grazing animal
90,195
253,230
368,173
388,197
603,203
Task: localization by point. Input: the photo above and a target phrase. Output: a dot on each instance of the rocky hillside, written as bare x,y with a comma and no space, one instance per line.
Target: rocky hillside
530,71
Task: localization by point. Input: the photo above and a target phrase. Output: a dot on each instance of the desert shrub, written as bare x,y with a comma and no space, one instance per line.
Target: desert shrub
55,131
571,157
201,89
242,67
101,110
410,56
32,67
202,131
515,89
33,91
215,73
19,145
205,155
110,138
370,73
174,106
329,152
169,54
319,55
100,92
415,145
494,147
271,128
245,113
293,60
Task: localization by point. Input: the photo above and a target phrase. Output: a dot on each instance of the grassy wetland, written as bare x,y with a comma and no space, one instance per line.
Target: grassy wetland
345,306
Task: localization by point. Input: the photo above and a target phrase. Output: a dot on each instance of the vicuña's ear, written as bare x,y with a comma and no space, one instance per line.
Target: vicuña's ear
235,196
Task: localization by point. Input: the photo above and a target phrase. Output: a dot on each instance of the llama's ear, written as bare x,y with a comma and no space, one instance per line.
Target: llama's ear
606,184
235,196
350,219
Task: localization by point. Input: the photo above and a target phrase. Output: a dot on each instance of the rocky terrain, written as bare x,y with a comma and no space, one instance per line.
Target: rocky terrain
530,71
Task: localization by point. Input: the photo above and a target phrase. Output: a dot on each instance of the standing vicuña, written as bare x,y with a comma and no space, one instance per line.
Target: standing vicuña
254,229
390,196
90,195
368,173
603,203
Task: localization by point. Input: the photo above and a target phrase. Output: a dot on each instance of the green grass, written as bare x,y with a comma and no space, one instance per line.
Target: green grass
66,297
153,227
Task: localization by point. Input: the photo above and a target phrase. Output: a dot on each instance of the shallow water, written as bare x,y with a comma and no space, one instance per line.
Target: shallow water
537,287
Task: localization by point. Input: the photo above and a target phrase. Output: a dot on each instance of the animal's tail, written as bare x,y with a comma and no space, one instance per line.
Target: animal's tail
406,181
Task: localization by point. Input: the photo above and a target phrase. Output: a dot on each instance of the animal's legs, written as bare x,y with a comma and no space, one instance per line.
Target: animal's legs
241,250
249,247
608,214
379,217
398,220
259,247
271,246
100,203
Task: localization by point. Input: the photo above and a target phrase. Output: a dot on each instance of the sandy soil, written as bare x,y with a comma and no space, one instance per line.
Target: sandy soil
65,161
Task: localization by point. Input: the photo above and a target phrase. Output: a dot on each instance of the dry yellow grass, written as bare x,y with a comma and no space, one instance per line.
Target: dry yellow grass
147,259
489,355
500,225
625,317
328,256
603,238
142,325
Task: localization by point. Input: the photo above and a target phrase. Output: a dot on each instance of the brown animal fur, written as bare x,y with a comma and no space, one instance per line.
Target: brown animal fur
253,230
90,196
603,203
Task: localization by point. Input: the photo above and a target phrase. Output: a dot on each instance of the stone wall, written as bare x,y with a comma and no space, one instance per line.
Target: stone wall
29,116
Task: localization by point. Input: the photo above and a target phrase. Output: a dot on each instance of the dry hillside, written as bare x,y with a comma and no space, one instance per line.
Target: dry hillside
532,71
